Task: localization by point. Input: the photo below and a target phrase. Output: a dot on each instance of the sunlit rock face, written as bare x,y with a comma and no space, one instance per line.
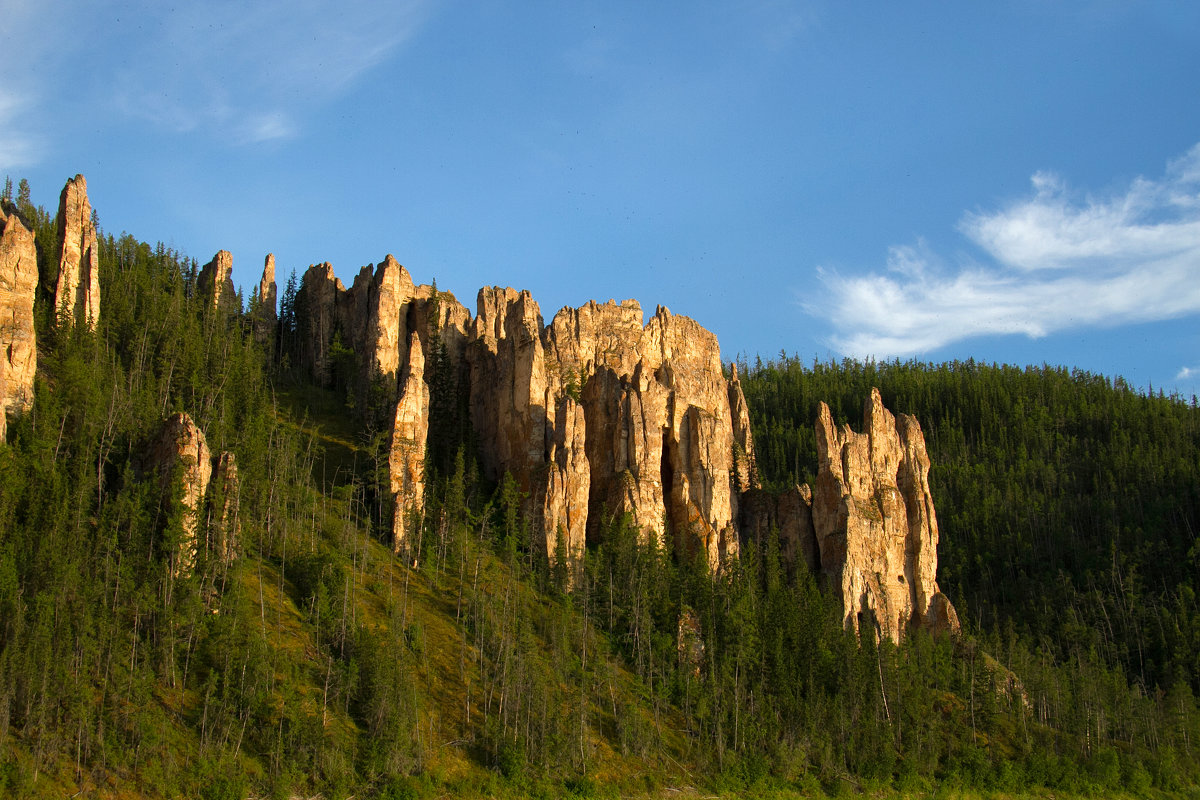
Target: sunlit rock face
77,297
266,317
634,417
180,456
875,523
406,461
316,319
215,282
225,530
18,339
596,415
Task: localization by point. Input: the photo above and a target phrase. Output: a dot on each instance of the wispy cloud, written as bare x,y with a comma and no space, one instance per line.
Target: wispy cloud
1186,373
1054,261
250,72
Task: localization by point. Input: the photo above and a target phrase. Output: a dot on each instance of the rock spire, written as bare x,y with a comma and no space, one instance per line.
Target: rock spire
215,283
77,297
18,340
875,523
190,476
268,292
180,456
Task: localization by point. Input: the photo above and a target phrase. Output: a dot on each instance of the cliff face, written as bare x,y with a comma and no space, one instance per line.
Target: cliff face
215,281
267,315
77,296
597,415
410,431
268,291
179,455
600,414
316,317
875,523
18,340
594,416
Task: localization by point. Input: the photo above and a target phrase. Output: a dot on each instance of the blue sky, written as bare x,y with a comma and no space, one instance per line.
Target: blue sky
1016,181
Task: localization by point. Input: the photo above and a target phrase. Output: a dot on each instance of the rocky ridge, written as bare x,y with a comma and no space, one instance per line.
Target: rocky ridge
868,528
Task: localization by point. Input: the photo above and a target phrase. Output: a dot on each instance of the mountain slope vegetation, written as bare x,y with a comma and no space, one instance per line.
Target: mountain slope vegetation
320,662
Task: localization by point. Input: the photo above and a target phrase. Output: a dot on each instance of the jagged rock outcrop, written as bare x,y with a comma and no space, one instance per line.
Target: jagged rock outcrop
374,319
649,404
316,318
266,314
567,491
745,475
77,297
268,292
508,384
189,475
600,414
225,532
215,282
875,522
410,431
18,340
179,454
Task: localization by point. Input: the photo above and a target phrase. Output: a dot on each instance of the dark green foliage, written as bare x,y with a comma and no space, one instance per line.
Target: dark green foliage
318,663
1068,503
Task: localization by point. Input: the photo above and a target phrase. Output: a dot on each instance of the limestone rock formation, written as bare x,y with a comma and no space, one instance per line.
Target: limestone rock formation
268,292
316,318
564,504
77,297
215,283
225,531
387,320
266,314
179,454
18,341
743,442
875,523
635,418
406,463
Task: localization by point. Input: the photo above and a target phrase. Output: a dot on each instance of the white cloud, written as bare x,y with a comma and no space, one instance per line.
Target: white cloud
1187,372
1054,263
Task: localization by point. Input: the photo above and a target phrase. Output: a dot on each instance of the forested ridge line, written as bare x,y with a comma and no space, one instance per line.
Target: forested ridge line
318,662
1069,503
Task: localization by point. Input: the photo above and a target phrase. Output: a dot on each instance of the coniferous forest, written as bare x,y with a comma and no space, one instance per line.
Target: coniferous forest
319,663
